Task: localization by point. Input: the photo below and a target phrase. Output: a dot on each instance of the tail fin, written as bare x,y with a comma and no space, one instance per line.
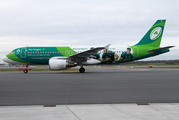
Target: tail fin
154,35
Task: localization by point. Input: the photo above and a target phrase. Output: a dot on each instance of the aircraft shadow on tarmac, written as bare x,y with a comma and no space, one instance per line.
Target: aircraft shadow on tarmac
90,72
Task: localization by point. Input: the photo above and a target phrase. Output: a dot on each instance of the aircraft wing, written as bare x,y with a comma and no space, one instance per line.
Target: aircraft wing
160,49
88,53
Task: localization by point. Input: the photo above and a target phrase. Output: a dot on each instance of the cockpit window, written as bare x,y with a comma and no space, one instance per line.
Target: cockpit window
12,52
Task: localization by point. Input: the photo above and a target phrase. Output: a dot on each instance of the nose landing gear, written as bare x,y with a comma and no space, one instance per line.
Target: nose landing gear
26,69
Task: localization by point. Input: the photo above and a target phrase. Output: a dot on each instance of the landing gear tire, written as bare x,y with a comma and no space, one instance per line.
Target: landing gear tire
25,71
81,70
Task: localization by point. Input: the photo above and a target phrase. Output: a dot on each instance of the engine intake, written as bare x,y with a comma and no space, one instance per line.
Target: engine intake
59,64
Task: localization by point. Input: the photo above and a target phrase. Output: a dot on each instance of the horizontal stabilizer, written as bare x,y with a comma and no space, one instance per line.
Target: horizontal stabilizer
160,49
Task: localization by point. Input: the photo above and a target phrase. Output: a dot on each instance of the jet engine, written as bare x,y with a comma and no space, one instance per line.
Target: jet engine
60,64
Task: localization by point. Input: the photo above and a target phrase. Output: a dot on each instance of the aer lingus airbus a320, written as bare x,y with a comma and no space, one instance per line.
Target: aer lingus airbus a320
63,57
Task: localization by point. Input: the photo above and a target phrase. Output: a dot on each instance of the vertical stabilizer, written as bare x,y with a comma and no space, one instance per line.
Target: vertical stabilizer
154,35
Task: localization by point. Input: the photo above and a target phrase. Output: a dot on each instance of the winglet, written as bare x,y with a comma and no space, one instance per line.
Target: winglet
107,46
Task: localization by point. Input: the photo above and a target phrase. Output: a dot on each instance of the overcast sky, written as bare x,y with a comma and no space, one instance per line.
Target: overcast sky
86,23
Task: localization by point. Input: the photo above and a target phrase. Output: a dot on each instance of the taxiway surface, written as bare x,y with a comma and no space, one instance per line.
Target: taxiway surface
105,85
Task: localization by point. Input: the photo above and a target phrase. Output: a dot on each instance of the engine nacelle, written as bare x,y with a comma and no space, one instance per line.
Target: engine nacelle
59,64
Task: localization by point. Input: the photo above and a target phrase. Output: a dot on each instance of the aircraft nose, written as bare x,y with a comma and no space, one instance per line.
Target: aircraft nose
4,58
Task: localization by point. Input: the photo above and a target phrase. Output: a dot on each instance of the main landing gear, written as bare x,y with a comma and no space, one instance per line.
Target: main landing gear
81,70
26,69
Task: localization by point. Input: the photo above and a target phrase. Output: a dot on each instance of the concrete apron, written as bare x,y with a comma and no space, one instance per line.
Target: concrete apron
141,111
